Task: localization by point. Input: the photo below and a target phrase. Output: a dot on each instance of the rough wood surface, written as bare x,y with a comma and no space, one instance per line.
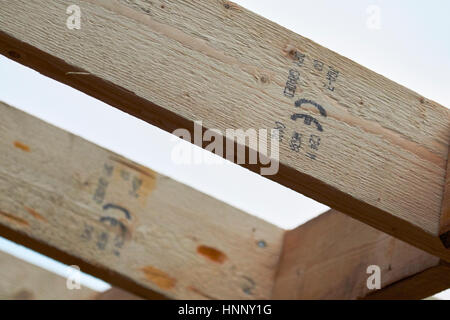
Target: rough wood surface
444,226
122,222
334,265
422,285
383,148
20,280
118,294
141,231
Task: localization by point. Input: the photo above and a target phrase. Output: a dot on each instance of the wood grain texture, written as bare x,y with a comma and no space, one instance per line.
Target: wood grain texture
383,148
444,226
118,294
20,280
421,285
327,258
153,236
136,229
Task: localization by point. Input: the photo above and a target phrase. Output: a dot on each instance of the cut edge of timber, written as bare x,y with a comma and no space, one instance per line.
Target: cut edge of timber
129,102
337,267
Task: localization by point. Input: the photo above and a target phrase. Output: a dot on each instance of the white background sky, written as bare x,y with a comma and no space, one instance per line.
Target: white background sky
411,46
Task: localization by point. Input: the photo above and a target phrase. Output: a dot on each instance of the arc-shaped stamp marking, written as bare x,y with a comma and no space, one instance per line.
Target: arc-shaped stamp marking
302,101
307,118
119,240
122,209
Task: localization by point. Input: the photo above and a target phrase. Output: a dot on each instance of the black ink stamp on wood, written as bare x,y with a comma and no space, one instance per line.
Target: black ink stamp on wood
314,142
291,83
314,139
119,208
318,65
299,58
307,120
102,240
303,101
332,75
296,142
100,192
280,130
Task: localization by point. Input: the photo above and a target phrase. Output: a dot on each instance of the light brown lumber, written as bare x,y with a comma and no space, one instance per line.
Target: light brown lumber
422,285
118,294
444,225
136,229
383,150
327,258
60,195
20,280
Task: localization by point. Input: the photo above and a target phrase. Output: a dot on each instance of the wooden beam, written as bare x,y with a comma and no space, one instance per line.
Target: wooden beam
444,225
141,231
419,286
328,257
20,280
124,223
383,148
